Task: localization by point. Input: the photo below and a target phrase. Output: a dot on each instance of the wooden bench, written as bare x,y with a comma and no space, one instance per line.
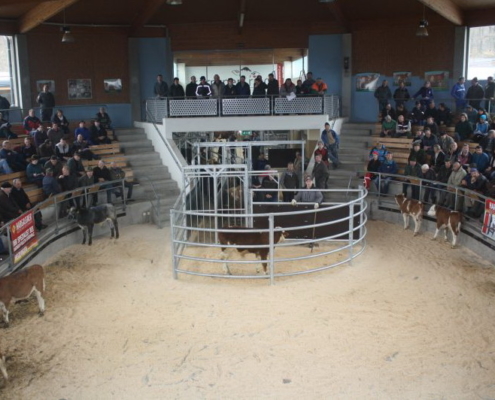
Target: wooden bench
104,149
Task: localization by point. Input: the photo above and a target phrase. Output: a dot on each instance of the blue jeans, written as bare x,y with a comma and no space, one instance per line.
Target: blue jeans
4,166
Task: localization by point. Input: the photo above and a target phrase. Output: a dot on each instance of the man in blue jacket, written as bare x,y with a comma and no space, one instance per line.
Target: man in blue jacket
458,92
331,141
389,166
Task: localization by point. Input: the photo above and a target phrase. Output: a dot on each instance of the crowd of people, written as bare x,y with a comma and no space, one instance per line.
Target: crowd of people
52,159
445,160
218,88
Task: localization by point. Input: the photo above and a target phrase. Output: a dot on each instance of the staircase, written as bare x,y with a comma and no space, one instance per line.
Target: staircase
355,142
149,172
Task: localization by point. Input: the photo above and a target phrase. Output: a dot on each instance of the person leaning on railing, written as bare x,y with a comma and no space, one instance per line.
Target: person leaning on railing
475,182
455,179
443,175
230,90
22,200
309,195
389,166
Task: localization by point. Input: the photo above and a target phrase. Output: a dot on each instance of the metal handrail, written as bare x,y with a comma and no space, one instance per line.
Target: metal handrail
165,141
156,209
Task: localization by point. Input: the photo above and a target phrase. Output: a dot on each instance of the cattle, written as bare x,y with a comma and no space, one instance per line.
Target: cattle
253,237
86,218
21,285
446,219
3,367
410,208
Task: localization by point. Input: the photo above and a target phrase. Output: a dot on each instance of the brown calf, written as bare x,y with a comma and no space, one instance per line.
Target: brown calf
21,285
410,208
446,219
252,238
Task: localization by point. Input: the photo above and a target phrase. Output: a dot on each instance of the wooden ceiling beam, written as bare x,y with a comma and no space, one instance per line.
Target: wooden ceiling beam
148,11
41,13
483,17
16,2
447,9
339,16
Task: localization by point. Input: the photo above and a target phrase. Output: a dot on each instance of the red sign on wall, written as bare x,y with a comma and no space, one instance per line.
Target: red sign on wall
488,227
280,74
23,236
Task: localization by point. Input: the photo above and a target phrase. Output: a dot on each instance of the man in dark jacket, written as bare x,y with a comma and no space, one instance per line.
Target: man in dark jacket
289,180
412,170
22,200
46,101
320,173
401,94
176,89
8,207
160,89
191,88
98,134
4,108
273,88
242,87
475,94
383,95
102,175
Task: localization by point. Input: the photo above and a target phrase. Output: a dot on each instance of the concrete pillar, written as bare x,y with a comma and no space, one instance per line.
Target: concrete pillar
134,86
460,52
24,77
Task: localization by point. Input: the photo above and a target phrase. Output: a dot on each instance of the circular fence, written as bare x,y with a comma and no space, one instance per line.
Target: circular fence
288,240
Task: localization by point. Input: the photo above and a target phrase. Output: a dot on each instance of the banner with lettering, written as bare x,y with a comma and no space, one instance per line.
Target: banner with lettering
23,236
488,227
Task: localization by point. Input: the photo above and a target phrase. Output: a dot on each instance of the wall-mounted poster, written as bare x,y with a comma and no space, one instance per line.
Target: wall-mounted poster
112,85
402,77
80,89
43,82
367,81
439,79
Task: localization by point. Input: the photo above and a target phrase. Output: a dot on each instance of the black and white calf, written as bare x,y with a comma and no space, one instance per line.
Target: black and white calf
86,218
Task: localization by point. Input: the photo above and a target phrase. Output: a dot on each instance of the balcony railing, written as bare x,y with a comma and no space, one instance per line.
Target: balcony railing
160,108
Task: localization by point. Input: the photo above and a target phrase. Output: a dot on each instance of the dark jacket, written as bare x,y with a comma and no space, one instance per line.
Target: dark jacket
8,207
243,89
46,100
20,197
272,87
102,173
191,89
95,133
176,91
160,89
230,90
50,186
69,182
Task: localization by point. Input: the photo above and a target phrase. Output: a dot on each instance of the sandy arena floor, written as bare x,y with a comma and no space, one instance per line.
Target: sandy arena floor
411,319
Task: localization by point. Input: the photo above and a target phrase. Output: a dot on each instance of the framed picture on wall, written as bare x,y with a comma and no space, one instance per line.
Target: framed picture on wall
367,81
79,89
43,82
439,79
402,77
112,85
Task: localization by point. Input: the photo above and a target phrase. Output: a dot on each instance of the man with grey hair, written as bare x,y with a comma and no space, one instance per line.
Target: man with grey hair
455,179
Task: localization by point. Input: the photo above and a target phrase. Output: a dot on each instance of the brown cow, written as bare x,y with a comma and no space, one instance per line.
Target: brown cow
20,286
446,219
3,367
252,238
410,207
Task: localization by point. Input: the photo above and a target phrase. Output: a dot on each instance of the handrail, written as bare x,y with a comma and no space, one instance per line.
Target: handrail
165,141
56,224
158,201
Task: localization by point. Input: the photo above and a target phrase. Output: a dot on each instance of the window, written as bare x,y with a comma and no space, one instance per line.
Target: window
481,53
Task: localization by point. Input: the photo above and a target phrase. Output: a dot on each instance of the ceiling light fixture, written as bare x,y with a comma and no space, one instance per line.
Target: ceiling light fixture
174,2
67,36
422,31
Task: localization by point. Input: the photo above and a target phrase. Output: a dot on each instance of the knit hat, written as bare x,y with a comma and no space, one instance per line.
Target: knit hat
412,158
483,117
6,185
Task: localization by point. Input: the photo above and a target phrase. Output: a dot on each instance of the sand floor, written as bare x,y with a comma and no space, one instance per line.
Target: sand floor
410,319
